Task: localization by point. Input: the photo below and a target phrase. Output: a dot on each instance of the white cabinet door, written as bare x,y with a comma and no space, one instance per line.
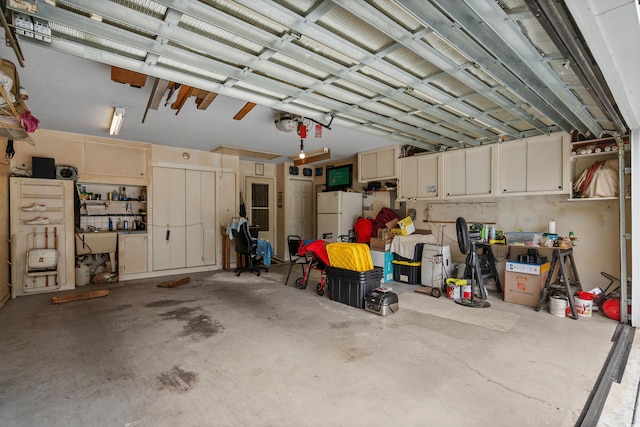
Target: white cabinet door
378,165
545,164
468,172
199,210
408,177
532,166
386,163
55,200
455,173
479,166
168,229
513,171
427,173
115,160
368,166
132,254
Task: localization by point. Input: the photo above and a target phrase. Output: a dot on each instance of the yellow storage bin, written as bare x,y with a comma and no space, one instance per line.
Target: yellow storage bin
350,256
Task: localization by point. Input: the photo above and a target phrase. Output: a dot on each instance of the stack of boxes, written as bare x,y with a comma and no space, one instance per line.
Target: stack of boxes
380,254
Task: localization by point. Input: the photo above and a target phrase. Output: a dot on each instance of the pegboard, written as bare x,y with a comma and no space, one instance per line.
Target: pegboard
484,213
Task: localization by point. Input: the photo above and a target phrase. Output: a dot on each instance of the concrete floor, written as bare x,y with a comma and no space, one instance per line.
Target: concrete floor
229,351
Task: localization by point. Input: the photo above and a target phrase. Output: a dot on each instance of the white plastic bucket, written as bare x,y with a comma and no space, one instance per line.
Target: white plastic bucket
453,291
558,306
583,306
83,275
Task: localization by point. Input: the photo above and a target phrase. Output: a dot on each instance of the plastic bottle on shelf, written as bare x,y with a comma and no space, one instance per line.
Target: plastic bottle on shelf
110,224
119,224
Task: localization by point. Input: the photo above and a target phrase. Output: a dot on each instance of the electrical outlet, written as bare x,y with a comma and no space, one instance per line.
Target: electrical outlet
608,207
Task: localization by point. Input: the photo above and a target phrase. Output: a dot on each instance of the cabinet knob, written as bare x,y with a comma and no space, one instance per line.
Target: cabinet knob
504,190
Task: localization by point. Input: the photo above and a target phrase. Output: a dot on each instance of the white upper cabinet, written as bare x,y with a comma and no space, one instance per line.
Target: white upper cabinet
419,177
377,165
468,172
535,165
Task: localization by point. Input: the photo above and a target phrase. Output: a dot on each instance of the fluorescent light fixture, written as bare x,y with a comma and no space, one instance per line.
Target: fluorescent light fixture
116,121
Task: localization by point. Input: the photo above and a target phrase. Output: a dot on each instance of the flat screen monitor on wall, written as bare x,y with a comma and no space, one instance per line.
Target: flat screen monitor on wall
339,178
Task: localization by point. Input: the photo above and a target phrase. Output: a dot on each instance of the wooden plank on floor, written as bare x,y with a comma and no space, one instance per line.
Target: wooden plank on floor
80,296
174,283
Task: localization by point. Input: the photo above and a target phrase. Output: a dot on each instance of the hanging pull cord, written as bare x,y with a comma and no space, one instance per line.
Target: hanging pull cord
10,152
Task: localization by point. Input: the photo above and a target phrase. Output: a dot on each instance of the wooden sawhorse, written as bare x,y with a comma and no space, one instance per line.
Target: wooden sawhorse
559,258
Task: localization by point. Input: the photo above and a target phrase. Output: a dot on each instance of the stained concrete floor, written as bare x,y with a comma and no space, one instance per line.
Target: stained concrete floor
229,351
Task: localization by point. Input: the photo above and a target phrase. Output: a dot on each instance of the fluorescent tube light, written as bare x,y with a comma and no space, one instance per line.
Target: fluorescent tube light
116,121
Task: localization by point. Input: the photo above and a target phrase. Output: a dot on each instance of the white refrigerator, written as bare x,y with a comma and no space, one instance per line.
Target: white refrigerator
337,213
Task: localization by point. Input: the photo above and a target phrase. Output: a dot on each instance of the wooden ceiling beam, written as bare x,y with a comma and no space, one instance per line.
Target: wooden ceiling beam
312,159
204,102
159,88
244,111
132,78
183,95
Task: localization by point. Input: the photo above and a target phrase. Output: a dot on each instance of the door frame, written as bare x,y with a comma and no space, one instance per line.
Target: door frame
272,235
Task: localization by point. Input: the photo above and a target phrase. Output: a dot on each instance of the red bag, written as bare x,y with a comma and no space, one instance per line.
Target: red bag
363,228
384,216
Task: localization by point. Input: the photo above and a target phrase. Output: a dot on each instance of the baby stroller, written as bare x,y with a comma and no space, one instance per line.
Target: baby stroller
319,261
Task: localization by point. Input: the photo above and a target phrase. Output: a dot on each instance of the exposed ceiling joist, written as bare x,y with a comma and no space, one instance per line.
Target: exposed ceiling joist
244,111
430,74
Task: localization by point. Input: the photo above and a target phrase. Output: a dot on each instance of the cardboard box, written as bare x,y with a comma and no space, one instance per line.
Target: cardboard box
524,288
392,224
406,226
381,245
384,233
384,260
396,232
525,267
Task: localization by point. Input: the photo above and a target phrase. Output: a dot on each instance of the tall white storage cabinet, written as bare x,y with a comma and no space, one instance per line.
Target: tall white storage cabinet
183,228
55,203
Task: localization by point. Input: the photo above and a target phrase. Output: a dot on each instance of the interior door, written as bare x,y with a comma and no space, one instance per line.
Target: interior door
301,208
260,206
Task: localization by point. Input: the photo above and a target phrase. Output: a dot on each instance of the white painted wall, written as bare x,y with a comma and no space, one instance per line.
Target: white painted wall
595,223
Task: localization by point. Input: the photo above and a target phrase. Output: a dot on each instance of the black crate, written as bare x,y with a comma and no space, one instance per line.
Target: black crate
350,287
417,254
407,272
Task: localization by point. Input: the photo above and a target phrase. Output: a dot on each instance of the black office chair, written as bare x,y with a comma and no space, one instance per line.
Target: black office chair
293,243
246,246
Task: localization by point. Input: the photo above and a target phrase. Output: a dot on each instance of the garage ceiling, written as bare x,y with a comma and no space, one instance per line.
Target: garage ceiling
436,74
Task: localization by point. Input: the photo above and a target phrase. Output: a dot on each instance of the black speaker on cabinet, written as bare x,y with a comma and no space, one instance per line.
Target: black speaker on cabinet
43,167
